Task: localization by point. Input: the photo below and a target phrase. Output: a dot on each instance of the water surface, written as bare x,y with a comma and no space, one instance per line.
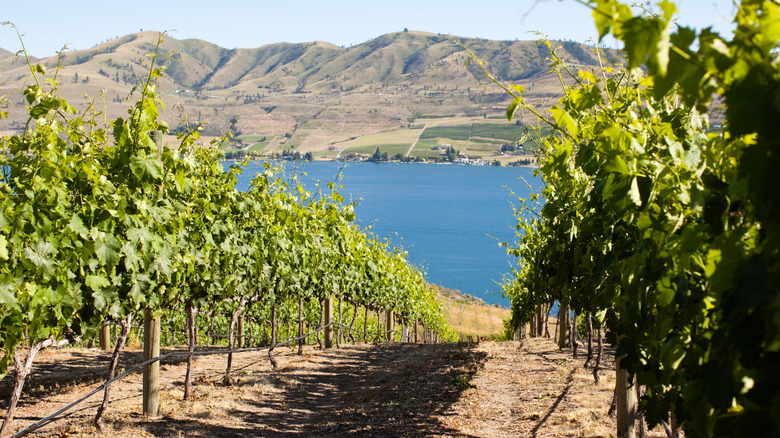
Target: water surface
449,218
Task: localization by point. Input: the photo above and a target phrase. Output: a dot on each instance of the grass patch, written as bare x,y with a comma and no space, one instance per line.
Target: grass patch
259,146
504,131
398,136
475,320
484,147
483,132
426,144
326,154
255,138
457,132
391,149
425,153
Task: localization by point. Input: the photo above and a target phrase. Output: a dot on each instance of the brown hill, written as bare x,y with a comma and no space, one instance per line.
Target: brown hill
316,92
5,54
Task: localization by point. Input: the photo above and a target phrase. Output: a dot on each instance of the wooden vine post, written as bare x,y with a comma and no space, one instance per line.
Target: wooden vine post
300,325
378,324
625,398
328,310
241,331
151,374
564,337
406,333
105,336
389,325
540,320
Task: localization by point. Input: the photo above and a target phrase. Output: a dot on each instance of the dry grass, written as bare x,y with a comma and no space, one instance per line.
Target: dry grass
475,320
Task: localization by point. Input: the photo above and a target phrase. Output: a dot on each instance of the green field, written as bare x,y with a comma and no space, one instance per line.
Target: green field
326,154
391,149
426,144
425,153
258,147
457,132
504,131
484,147
257,142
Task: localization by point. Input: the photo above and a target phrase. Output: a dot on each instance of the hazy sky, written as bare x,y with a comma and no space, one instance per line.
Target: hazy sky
48,25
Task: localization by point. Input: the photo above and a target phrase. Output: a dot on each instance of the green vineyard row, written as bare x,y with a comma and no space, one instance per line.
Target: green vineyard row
661,228
99,221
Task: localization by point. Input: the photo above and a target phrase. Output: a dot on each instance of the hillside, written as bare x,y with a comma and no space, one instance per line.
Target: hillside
470,316
311,96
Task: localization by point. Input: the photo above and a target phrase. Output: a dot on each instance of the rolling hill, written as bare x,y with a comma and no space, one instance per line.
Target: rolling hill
307,96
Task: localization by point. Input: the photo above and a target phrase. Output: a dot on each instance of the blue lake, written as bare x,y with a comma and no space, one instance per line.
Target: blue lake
449,218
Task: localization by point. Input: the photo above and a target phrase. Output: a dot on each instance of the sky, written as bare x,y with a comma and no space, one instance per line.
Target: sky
48,26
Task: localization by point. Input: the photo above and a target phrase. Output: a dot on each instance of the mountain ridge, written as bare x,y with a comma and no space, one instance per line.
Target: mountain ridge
282,88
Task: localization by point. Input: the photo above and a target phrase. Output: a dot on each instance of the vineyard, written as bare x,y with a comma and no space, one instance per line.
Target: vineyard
660,229
101,224
656,232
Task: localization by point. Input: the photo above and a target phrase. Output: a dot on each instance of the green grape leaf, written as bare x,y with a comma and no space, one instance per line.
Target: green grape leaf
7,297
96,282
107,250
77,226
147,166
641,36
564,120
672,353
39,255
103,298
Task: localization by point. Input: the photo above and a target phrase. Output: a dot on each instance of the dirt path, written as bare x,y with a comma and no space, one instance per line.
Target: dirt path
409,152
465,390
532,389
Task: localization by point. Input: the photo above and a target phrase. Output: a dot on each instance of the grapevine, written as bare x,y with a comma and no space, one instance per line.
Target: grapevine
99,223
662,227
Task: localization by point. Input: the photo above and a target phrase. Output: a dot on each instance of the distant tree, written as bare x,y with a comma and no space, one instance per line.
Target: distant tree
406,30
451,153
377,155
76,77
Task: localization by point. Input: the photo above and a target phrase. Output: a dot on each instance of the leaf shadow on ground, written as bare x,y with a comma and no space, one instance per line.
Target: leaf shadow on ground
388,390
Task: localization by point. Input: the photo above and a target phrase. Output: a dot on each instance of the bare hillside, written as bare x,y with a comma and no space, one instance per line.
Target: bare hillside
318,92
